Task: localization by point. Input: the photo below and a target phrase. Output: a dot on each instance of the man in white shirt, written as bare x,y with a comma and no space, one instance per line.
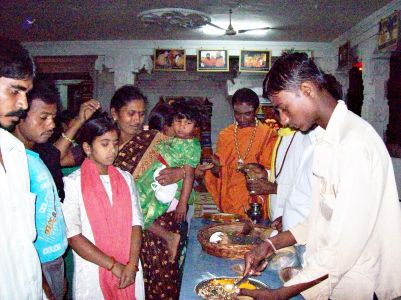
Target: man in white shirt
290,164
20,274
353,234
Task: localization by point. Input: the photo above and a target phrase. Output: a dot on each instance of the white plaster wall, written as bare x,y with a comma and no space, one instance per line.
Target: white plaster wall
119,60
363,37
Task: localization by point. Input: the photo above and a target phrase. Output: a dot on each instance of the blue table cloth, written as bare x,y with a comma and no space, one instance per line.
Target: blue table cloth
199,266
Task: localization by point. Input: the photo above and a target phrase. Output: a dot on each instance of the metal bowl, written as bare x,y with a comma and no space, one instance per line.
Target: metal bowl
203,283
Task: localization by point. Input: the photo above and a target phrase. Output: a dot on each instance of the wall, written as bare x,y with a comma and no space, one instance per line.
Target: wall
119,61
363,40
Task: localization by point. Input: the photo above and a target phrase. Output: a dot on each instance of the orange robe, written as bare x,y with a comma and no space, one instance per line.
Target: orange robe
229,190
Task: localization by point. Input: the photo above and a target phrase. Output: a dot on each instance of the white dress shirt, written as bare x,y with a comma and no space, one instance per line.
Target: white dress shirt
353,233
20,272
289,165
299,199
86,283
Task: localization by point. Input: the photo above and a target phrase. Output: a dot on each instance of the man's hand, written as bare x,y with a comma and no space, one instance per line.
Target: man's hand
128,275
277,224
170,175
261,186
260,294
180,212
216,165
87,110
254,259
200,169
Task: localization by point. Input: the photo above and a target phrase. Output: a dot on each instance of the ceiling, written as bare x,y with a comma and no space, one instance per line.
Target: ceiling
300,20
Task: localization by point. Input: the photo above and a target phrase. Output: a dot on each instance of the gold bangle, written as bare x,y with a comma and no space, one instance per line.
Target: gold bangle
113,263
67,138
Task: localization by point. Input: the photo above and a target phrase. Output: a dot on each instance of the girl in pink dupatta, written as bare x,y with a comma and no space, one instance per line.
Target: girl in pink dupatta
117,240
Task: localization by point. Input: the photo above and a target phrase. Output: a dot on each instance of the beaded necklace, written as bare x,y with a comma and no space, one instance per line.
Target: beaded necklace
241,159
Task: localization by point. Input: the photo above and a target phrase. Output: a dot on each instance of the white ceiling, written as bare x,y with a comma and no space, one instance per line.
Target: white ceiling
302,20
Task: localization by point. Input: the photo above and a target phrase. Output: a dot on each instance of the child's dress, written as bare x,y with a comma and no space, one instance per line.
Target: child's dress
174,152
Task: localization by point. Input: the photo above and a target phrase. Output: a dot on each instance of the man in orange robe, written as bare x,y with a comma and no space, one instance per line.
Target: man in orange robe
255,142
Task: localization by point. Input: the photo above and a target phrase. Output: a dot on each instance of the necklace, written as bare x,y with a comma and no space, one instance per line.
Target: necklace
241,159
276,175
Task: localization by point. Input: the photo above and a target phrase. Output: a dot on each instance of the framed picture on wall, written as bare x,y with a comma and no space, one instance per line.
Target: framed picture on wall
169,60
255,61
388,31
212,61
343,55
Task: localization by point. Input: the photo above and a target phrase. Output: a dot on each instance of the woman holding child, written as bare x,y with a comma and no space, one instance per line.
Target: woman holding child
137,153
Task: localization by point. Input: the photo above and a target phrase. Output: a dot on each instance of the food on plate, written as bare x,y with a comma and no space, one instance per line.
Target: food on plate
222,217
223,289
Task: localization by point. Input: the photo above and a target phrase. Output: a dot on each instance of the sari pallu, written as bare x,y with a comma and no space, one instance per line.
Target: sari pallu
139,153
162,278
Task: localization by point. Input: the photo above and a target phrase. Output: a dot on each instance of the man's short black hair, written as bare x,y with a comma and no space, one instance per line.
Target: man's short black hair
246,95
45,91
15,61
289,71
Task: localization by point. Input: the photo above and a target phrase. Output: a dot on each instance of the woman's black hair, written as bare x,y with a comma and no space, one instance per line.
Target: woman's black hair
125,95
94,128
186,110
289,71
160,116
246,95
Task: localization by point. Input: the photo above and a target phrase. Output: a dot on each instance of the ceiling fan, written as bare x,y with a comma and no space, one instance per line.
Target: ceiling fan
230,29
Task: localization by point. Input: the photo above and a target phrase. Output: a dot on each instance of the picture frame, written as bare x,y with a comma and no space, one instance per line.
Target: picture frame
212,60
388,31
343,55
169,60
255,61
292,50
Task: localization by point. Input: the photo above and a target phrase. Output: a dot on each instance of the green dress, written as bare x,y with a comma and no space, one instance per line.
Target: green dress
177,153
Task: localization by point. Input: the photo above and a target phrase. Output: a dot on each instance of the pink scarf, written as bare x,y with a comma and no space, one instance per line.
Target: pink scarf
111,224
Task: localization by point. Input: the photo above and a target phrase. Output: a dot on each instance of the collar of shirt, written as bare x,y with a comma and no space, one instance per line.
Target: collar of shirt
332,133
33,153
8,142
285,131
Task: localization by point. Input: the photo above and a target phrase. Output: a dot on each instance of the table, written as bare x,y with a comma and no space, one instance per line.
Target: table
199,266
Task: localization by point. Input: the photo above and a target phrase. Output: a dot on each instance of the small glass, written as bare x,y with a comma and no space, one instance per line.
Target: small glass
255,212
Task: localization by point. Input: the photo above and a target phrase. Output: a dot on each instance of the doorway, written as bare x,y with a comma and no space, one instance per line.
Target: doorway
355,90
393,133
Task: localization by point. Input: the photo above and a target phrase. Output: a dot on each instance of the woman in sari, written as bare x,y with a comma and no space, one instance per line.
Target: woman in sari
137,152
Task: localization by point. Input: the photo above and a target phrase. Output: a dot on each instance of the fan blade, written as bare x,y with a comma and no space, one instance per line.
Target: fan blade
216,26
253,29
